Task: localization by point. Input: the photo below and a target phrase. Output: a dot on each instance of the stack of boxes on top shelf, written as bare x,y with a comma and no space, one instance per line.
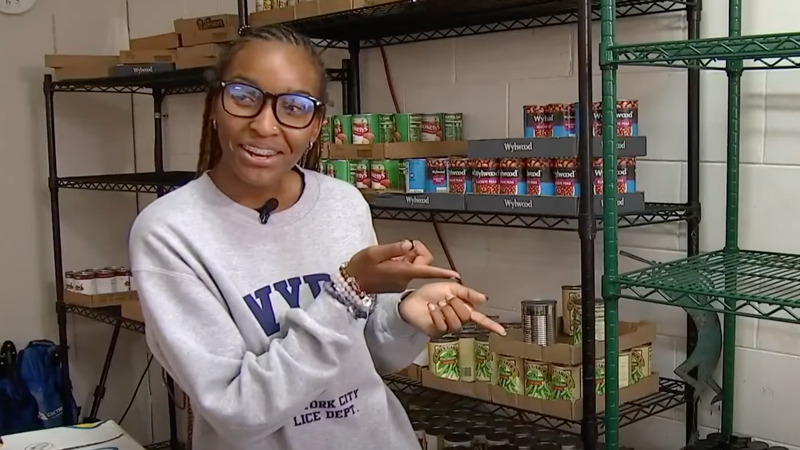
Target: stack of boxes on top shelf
537,366
100,288
195,42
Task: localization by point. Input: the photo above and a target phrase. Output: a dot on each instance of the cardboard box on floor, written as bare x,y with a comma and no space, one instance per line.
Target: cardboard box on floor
166,41
571,410
100,300
208,29
411,372
563,352
396,150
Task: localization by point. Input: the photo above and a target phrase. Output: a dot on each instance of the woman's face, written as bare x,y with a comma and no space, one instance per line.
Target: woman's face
261,150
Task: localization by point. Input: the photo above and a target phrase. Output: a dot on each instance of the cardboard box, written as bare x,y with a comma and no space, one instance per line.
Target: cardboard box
334,6
133,311
411,372
100,300
563,352
166,41
396,150
147,56
273,16
304,9
570,410
72,73
208,29
71,61
199,55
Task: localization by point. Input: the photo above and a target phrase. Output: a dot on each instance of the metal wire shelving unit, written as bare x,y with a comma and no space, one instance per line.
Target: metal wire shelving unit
401,22
735,282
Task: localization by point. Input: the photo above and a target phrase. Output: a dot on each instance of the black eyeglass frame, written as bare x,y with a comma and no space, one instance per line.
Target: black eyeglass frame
269,97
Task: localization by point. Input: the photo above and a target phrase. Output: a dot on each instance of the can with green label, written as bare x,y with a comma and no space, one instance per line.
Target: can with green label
342,129
387,127
385,175
453,127
322,166
326,131
407,127
361,173
341,169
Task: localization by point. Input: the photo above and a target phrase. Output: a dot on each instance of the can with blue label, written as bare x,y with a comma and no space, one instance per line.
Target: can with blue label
539,177
436,175
415,175
459,175
512,176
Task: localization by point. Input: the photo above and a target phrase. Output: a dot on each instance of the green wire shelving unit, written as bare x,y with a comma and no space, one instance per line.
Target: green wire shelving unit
731,281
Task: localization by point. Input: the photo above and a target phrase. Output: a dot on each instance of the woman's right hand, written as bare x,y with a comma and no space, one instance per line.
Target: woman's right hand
389,268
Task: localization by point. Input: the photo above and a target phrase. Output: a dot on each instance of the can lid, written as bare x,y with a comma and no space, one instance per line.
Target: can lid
105,273
69,273
84,275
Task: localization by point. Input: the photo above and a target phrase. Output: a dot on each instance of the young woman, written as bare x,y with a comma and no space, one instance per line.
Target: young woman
257,279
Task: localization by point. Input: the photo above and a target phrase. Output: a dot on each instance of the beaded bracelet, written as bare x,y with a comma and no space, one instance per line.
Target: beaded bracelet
345,290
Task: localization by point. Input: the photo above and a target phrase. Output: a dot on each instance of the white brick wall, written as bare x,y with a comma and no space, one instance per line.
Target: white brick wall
487,77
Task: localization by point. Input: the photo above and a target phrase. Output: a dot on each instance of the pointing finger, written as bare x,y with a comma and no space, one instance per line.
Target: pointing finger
462,310
413,271
487,323
423,256
467,295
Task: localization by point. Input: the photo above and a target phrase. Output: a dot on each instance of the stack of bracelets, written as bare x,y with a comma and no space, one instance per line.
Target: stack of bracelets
345,289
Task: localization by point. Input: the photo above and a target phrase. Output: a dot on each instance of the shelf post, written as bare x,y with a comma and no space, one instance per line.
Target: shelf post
158,145
693,16
610,269
586,224
734,71
58,257
243,16
354,78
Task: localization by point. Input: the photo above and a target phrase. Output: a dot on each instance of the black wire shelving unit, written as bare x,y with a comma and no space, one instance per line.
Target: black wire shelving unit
407,21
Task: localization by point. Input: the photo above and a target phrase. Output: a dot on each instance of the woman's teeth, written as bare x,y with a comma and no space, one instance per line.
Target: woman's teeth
265,152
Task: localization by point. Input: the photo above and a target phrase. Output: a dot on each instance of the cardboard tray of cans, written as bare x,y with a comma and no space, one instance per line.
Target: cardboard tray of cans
565,409
550,147
100,300
432,201
395,150
303,9
547,205
631,335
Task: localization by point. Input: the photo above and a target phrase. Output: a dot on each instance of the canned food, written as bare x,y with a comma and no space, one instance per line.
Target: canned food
566,382
626,175
538,121
539,322
484,359
431,127
407,127
627,117
512,176
466,356
361,173
385,174
453,127
565,172
343,129
436,175
595,118
577,318
600,376
486,176
641,363
85,283
537,380
458,440
539,177
459,176
326,131
415,175
624,369
443,358
434,438
369,129
69,281
563,118
341,169
498,438
508,374
569,295
479,436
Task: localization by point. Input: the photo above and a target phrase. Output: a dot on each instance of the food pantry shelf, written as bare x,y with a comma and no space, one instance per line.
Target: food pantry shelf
774,51
762,285
143,182
422,20
109,315
654,213
184,81
670,395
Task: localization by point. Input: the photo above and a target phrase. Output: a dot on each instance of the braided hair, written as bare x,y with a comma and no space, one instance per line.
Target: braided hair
210,149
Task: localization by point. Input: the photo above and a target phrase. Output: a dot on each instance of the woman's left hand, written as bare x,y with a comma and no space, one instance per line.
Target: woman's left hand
438,308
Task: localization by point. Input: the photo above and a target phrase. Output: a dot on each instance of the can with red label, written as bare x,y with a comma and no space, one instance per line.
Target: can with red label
562,117
539,177
627,117
512,176
486,176
538,122
459,175
436,175
432,127
565,172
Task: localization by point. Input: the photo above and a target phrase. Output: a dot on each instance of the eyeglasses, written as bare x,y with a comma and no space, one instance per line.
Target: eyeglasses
290,109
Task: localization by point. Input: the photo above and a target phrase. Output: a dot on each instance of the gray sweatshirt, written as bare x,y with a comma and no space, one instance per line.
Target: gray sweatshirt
237,314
